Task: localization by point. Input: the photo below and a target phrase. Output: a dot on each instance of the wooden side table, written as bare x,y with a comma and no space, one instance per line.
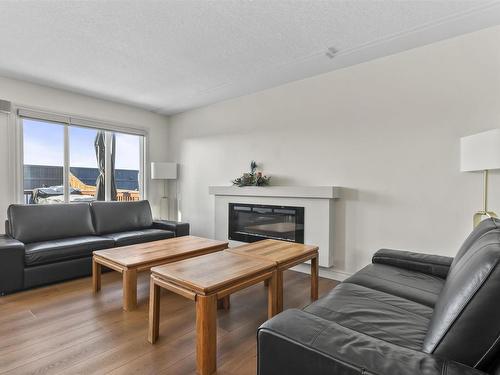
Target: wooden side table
285,255
205,280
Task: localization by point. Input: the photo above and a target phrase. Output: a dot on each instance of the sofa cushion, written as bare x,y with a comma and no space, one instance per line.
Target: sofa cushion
295,342
36,223
113,217
374,313
465,326
37,253
415,286
139,236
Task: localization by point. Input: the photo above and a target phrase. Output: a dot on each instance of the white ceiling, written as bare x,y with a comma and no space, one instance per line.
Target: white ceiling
170,56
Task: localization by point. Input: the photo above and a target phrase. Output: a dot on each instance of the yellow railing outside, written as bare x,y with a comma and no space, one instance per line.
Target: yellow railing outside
122,195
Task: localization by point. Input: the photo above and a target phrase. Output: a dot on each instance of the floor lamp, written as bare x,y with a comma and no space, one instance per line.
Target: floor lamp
481,152
164,171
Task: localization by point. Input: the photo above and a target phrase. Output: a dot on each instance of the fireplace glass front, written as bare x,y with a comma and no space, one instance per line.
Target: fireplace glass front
251,222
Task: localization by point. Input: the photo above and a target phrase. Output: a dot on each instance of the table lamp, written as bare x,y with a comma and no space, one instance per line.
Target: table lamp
163,171
481,152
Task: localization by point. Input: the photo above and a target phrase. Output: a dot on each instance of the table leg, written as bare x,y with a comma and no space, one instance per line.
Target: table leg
129,289
206,334
154,311
272,295
96,275
224,303
314,278
279,291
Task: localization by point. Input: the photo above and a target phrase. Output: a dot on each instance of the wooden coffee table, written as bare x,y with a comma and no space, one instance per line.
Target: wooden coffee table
206,280
128,260
285,255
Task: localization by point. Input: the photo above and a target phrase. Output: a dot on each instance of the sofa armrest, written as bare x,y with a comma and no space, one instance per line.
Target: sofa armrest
295,342
7,228
435,265
180,229
11,265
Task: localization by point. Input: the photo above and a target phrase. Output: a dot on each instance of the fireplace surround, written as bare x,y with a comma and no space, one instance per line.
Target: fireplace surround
317,201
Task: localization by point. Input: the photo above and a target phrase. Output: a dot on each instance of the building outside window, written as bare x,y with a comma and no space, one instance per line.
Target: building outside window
63,162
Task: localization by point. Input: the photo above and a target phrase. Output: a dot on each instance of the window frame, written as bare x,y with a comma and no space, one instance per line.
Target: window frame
21,112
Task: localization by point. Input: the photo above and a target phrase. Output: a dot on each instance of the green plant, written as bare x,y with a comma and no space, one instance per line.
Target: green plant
253,178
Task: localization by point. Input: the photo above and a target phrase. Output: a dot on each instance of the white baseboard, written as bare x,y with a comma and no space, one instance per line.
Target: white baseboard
328,273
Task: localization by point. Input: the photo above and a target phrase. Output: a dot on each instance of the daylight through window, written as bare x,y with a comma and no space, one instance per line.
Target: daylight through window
68,163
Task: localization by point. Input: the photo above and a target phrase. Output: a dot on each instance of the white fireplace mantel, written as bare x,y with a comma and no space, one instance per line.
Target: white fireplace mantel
321,192
318,203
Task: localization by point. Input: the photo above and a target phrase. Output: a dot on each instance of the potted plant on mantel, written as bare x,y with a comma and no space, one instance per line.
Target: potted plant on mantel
253,178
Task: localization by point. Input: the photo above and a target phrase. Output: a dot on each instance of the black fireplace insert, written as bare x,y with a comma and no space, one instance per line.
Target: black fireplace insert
254,222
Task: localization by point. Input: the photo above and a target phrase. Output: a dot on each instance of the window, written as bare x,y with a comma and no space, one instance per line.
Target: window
84,170
43,147
128,174
66,162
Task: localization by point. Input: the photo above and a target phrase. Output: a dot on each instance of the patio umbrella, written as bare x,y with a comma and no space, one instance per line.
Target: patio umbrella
114,193
100,153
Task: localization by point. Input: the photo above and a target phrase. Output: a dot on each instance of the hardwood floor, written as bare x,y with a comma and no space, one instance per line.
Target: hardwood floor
65,329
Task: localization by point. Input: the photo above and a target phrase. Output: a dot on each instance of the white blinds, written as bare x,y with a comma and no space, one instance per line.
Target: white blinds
77,121
44,116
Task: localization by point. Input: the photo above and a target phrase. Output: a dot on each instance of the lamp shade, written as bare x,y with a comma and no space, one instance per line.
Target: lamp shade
480,151
163,171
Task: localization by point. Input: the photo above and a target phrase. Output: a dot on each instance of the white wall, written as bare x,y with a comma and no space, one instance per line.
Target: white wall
27,94
387,130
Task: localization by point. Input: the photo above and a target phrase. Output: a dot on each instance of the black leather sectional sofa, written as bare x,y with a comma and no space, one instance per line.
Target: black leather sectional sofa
49,243
406,313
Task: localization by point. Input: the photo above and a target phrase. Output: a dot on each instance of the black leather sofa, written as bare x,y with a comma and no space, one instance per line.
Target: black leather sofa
406,313
48,243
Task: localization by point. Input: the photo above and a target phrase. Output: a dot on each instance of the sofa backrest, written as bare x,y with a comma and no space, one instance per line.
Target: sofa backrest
35,223
113,217
483,227
465,325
